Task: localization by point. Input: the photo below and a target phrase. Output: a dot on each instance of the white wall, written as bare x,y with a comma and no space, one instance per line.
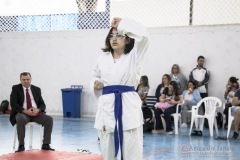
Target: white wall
60,59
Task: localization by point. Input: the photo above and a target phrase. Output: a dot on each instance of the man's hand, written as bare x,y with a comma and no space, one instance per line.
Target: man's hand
31,111
28,112
35,111
115,22
98,85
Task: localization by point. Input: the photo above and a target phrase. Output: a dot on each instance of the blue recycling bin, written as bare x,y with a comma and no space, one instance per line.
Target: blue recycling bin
71,100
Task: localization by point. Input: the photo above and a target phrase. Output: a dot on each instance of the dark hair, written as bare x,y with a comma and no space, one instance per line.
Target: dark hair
176,90
145,81
175,86
200,57
108,47
193,84
233,80
175,65
168,77
25,74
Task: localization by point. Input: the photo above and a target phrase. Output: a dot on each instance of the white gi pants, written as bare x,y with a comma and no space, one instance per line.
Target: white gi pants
132,144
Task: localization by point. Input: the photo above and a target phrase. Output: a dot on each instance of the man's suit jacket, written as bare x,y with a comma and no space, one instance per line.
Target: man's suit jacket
17,100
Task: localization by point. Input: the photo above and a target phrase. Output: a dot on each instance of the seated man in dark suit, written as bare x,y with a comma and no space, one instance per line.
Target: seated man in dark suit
28,106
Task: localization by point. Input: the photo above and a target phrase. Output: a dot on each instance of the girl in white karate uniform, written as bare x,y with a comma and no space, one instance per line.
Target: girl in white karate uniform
119,117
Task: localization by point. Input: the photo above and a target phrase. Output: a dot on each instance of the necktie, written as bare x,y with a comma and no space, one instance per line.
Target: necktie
29,103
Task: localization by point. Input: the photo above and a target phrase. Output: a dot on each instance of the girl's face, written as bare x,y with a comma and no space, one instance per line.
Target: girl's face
171,89
190,85
118,42
165,80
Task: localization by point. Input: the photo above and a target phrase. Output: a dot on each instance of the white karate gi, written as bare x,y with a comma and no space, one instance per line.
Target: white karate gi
126,71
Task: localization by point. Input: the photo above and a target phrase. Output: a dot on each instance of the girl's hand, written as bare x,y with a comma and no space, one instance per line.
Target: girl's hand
115,22
98,85
173,101
190,91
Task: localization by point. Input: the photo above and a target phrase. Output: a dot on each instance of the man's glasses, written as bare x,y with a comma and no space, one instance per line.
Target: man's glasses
115,36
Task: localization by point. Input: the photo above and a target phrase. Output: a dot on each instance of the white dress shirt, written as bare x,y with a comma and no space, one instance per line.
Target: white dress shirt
31,97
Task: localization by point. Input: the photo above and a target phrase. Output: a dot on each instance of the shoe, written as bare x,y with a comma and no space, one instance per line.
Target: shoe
184,125
235,135
157,131
170,132
196,133
47,147
21,148
221,138
225,126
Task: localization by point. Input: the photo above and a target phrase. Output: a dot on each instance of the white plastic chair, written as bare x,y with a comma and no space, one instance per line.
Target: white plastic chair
221,110
211,103
177,117
230,119
30,124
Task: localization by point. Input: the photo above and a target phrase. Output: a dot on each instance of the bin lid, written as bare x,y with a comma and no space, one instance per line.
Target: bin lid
73,88
76,86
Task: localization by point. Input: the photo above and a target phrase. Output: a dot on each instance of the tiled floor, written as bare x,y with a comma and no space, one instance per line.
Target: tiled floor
73,134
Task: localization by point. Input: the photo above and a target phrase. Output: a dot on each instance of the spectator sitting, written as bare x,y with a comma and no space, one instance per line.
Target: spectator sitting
177,76
191,97
165,82
28,106
235,111
143,88
173,96
231,88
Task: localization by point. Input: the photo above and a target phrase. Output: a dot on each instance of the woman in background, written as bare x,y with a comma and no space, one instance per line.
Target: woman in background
177,76
231,88
165,82
143,89
235,111
173,96
191,97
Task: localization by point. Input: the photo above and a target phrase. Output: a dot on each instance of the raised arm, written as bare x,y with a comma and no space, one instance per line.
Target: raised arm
136,31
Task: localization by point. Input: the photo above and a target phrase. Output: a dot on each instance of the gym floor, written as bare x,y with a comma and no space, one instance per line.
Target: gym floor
78,134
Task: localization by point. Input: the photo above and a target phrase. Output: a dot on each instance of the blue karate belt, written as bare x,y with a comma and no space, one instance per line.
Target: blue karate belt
118,130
